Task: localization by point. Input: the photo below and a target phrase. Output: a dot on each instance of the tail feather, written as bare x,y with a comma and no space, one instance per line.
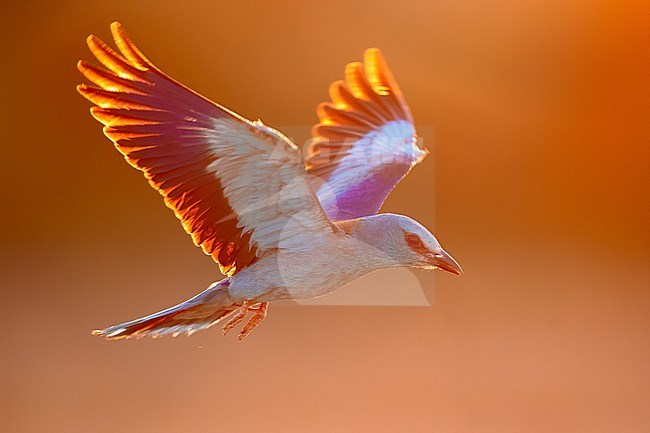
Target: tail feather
195,314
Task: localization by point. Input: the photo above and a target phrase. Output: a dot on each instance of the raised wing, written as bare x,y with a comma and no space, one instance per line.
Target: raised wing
365,142
239,188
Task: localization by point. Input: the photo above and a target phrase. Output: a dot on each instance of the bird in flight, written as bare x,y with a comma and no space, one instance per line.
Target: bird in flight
280,226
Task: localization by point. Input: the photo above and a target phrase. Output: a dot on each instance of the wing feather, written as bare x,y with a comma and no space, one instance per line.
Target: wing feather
365,142
239,188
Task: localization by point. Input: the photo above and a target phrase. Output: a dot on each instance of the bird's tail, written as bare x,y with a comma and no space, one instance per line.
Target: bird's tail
195,314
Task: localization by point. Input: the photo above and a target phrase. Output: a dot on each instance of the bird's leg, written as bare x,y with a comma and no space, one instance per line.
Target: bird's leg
236,319
259,313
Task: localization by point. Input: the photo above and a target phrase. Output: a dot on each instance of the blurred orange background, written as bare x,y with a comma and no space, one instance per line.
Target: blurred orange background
540,110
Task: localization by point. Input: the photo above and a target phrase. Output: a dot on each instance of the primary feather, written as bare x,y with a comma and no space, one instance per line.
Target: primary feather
365,142
238,187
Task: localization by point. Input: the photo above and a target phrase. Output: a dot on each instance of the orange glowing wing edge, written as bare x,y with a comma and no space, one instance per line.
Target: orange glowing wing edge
367,99
364,143
160,126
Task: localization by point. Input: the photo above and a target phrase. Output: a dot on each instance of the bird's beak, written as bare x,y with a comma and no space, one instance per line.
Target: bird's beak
442,260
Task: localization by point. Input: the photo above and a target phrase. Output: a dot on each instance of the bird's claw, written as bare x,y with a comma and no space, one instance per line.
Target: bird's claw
234,321
259,311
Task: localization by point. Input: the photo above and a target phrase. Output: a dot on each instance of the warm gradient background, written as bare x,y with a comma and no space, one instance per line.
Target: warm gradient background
540,111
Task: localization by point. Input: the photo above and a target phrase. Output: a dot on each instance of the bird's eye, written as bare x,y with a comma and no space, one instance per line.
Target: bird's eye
413,240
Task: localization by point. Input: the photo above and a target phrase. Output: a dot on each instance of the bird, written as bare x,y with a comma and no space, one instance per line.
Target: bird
279,225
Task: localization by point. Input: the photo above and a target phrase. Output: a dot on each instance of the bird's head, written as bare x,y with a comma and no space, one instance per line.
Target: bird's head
405,242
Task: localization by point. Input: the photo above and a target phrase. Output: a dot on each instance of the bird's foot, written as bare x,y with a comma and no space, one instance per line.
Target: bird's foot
234,320
259,311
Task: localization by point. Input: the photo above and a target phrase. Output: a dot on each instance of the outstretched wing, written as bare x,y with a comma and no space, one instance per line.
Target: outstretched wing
239,187
365,142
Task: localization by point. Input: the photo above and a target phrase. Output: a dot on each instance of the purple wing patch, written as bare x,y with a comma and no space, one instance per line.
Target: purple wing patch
365,197
365,142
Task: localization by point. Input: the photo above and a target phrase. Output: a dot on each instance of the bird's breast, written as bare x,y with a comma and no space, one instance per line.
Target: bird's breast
285,275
